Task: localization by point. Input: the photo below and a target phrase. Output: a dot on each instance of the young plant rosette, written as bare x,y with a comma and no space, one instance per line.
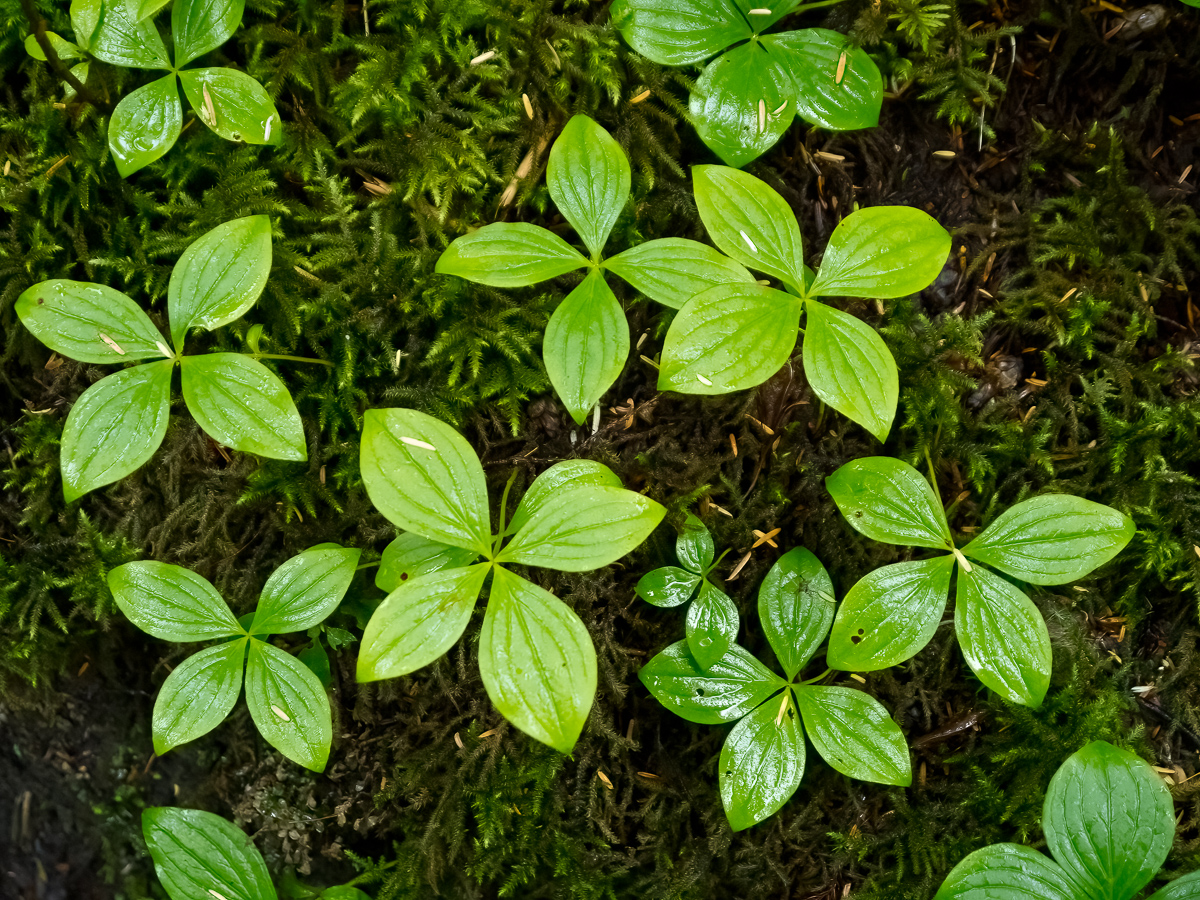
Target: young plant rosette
893,612
536,658
762,760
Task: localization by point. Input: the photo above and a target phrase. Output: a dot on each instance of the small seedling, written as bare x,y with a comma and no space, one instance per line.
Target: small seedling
893,612
587,337
762,760
747,96
286,699
116,424
1109,823
737,336
536,658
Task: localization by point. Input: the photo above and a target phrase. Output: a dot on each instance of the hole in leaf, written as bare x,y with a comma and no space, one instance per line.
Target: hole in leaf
404,576
858,514
855,639
699,692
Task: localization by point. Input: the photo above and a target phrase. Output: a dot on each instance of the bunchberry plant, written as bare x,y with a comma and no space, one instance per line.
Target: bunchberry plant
287,701
712,620
1109,824
737,336
893,612
762,760
747,96
536,658
117,423
587,337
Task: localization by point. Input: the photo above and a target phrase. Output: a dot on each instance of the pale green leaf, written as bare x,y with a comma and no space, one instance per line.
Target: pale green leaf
882,251
855,734
1187,887
410,556
679,32
61,46
796,607
145,125
672,271
734,685
170,602
198,694
711,626
560,478
196,853
202,25
814,57
305,590
668,586
288,705
694,547
1008,872
233,105
119,38
85,18
588,177
506,254
762,762
889,501
74,318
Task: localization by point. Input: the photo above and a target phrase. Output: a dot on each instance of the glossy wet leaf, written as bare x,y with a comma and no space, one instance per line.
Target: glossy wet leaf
694,547
65,49
242,404
288,705
147,8
1187,887
813,57
1007,872
855,734
672,271
728,690
509,254
712,625
890,615
679,32
119,38
241,107
1052,539
409,556
796,607
668,586
560,478
889,501
588,177
74,317
882,251
537,661
145,125
170,602
85,18
198,694
304,590
202,25
761,764
419,621
196,853
114,427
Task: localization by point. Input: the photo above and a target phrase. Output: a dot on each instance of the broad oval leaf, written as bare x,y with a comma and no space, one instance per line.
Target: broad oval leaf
1187,887
1109,820
588,177
890,615
668,586
114,427
889,501
586,345
242,404
202,25
233,105
750,222
1052,539
850,367
219,276
1007,872
837,85
147,8
409,556
729,338
196,853
728,690
74,318
537,661
679,32
559,479
145,125
509,254
1003,636
288,705
712,625
64,48
198,695
419,621
884,252
170,602
85,17
694,546
304,590
796,607
119,38
425,478
762,762
672,271
855,734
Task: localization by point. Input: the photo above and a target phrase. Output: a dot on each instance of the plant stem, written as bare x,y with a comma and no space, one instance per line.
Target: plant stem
304,359
368,565
503,511
38,24
805,7
818,678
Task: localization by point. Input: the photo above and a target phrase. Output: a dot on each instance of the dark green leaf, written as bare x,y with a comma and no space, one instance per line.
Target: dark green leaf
240,109
588,179
560,478
712,626
814,58
410,556
694,546
1008,872
509,254
796,607
674,270
122,40
74,318
289,706
724,693
170,602
1187,887
304,590
202,25
855,734
196,853
145,125
317,660
668,586
681,32
198,694
889,501
762,762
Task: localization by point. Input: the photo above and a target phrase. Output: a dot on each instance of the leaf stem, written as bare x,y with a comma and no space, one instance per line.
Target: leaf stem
503,511
716,562
818,678
805,7
368,565
304,359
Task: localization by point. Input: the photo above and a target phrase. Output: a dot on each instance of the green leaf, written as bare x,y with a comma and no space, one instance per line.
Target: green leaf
241,109
122,40
419,621
560,478
712,626
1052,539
80,71
729,338
682,32
728,690
586,345
317,660
890,615
672,271
170,602
855,734
667,587
889,501
506,254
114,427
850,367
289,705
588,177
198,694
813,57
796,607
304,590
584,528
743,102
196,853
74,317
64,48
145,125
1109,820
1007,872
425,478
1187,887
410,556
202,25
884,252
1003,636
147,8
85,17
694,546
537,661
762,762
219,276
242,404
750,222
